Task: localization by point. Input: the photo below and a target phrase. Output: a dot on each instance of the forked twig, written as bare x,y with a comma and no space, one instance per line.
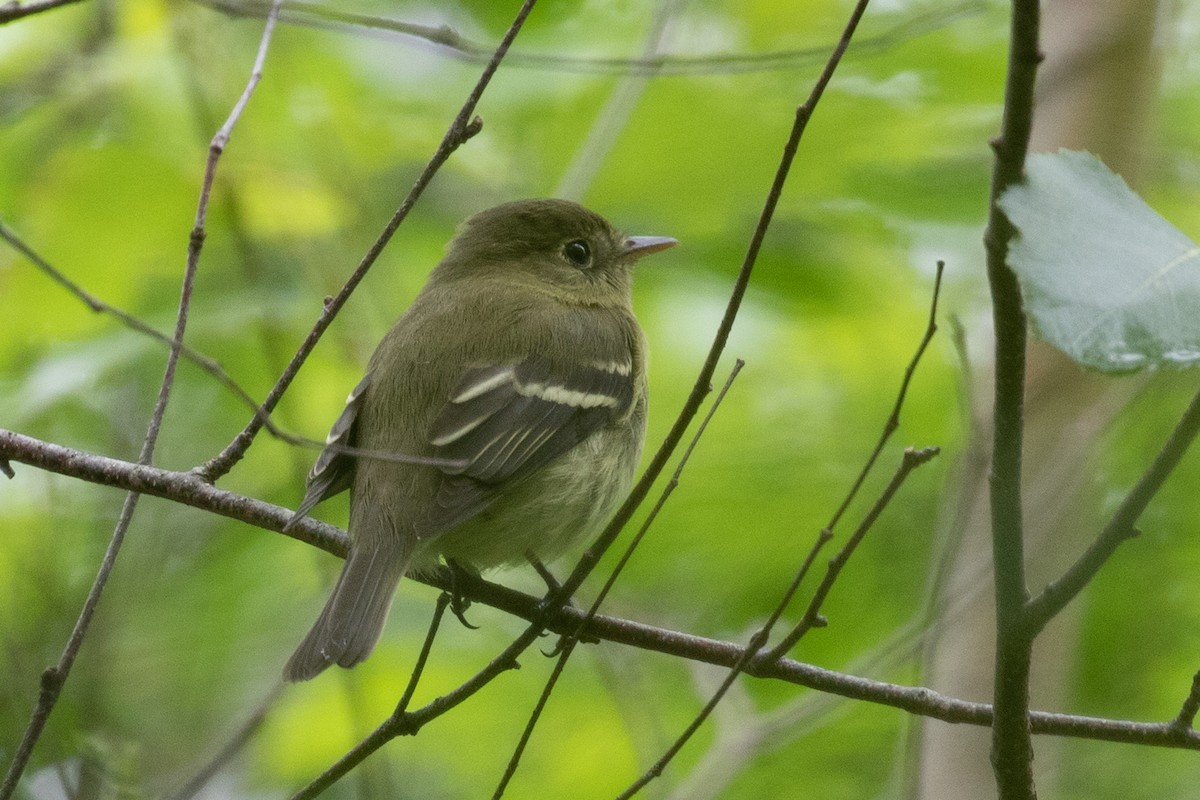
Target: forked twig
893,420
812,617
912,459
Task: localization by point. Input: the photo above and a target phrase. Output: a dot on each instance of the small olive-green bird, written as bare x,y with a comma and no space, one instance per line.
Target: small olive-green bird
519,377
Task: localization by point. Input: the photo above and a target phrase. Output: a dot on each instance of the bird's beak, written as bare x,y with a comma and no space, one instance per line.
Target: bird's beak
638,246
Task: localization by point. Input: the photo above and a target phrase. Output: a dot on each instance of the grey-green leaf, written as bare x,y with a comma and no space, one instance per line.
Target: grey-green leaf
1105,278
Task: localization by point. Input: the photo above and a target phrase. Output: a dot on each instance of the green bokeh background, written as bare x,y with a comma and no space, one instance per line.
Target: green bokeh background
106,109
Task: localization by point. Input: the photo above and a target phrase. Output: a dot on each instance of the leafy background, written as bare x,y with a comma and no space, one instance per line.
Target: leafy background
105,114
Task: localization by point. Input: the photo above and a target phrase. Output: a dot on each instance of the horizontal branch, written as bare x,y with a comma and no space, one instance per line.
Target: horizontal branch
332,16
16,9
183,487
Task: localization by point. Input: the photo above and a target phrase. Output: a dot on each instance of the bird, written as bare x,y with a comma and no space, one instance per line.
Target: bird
500,419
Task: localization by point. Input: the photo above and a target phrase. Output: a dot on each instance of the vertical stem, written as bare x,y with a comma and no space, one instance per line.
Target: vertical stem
1012,749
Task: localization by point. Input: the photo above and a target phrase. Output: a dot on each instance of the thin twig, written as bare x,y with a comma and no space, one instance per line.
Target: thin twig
911,460
53,678
1120,527
666,493
462,128
889,427
571,641
99,306
1186,717
332,17
16,9
701,386
239,740
409,723
812,616
439,611
514,760
893,420
207,364
803,114
1012,748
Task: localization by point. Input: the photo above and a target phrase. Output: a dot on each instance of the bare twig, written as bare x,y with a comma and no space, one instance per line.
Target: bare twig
568,646
1012,749
462,128
1055,597
514,760
16,9
439,611
181,487
911,460
665,495
803,114
1186,717
612,118
53,678
398,723
893,420
464,49
409,723
100,307
207,364
234,746
701,387
812,616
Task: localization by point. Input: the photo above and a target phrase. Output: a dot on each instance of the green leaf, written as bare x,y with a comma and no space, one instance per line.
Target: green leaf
1106,279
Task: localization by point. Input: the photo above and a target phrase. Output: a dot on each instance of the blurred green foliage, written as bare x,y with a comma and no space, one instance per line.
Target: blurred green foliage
106,110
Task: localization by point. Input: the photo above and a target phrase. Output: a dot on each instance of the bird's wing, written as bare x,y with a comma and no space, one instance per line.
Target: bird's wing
333,471
503,423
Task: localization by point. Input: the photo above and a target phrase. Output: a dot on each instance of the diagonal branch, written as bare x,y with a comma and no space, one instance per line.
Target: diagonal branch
462,128
1055,597
571,642
912,459
15,9
812,616
53,678
704,380
99,306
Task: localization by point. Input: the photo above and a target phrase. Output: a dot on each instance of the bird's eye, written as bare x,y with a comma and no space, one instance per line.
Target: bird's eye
578,253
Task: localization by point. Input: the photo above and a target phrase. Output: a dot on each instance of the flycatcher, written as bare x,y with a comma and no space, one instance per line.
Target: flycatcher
519,376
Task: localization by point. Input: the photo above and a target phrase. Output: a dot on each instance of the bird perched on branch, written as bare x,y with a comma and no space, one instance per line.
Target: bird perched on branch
501,417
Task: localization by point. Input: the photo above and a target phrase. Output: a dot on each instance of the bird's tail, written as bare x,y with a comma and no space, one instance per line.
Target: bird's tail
353,617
